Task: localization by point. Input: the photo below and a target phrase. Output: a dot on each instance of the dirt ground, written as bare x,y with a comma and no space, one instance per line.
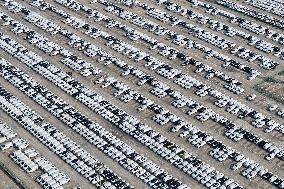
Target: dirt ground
267,92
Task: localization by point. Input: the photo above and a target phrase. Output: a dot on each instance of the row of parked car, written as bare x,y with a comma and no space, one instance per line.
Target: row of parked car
121,46
241,22
24,161
95,134
182,79
197,137
164,50
177,39
117,117
276,7
113,114
70,60
223,43
6,133
51,173
209,38
29,159
271,126
216,40
228,30
107,84
201,112
99,175
252,13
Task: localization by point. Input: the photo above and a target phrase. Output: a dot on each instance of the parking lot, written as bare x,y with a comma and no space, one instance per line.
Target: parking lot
124,94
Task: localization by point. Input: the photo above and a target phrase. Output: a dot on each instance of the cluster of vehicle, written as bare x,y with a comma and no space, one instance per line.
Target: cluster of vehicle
197,137
164,70
162,90
24,161
221,26
177,39
47,182
52,175
6,134
99,174
169,72
70,60
265,62
111,113
29,159
242,22
94,133
252,13
137,54
276,7
137,164
218,41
